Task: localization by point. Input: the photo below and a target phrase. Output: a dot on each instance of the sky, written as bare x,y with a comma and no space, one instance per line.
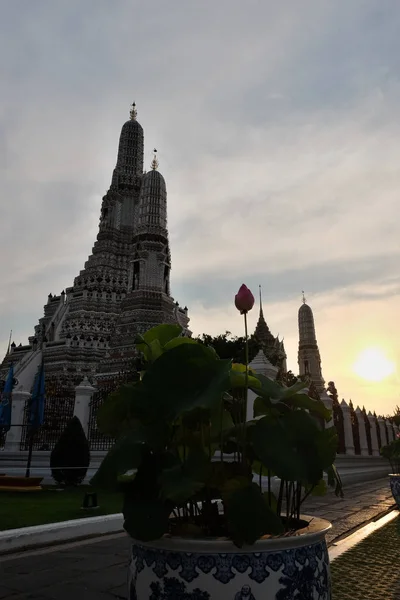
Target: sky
278,133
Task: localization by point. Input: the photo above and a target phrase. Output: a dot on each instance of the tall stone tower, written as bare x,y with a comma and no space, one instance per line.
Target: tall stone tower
309,358
124,287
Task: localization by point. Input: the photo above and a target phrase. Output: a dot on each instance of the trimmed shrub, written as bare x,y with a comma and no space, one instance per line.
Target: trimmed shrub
71,450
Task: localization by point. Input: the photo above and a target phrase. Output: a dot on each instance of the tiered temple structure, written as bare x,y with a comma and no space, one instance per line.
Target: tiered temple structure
272,347
123,289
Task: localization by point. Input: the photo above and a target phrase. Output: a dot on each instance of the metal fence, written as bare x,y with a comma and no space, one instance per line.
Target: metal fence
98,440
58,411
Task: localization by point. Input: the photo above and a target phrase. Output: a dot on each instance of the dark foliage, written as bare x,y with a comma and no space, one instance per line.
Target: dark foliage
70,457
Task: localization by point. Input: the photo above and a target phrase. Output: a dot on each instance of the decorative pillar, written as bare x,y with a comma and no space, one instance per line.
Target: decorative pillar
362,432
327,400
19,399
261,365
83,395
374,436
348,429
382,429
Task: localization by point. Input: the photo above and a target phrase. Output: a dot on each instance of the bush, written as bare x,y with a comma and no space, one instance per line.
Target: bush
71,450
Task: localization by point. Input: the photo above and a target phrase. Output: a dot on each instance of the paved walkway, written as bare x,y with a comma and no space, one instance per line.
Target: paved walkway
97,569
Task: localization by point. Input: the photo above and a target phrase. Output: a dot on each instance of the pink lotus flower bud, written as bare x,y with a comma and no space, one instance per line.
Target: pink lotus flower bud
398,435
244,300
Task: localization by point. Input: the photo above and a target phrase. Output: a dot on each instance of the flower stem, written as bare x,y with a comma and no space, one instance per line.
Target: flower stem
246,360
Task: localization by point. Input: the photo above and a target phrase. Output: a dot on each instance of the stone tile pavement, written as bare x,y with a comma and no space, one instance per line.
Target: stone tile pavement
97,569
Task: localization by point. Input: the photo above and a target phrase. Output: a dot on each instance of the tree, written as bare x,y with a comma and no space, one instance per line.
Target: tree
396,416
70,457
228,346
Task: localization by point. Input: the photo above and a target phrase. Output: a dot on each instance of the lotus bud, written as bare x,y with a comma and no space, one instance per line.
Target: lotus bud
244,300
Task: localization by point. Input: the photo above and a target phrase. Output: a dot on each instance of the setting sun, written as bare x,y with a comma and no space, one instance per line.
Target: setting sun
373,365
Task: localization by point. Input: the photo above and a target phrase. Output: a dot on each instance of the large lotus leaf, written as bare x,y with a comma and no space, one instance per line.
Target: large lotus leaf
123,408
126,454
154,340
249,516
261,406
238,380
178,341
326,445
275,448
146,520
186,377
316,407
272,390
288,446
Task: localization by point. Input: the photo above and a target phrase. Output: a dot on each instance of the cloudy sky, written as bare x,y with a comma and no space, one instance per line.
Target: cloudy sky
278,131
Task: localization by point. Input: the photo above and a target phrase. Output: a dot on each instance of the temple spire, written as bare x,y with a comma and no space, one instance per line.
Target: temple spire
154,162
261,308
304,298
133,112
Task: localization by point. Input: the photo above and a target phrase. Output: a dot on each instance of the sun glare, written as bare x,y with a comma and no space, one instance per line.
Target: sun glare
373,365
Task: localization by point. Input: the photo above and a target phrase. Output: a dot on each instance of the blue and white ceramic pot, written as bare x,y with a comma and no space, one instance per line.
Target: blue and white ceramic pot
395,487
282,568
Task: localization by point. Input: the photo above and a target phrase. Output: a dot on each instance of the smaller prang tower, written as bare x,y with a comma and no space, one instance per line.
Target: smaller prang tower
272,347
309,358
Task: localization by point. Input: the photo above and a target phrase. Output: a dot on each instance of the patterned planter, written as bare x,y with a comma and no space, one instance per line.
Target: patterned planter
214,569
395,487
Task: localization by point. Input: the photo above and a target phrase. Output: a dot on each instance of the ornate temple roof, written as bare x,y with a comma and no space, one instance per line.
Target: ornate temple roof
262,331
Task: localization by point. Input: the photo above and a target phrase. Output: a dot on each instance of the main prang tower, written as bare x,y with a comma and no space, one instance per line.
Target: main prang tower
124,287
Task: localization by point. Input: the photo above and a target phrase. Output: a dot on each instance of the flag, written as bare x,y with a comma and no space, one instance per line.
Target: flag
5,401
36,404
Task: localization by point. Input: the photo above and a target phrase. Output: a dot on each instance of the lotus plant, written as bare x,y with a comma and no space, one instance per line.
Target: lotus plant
190,463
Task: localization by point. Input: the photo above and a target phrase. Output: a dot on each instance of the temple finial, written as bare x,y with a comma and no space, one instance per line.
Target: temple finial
304,298
261,308
133,112
154,162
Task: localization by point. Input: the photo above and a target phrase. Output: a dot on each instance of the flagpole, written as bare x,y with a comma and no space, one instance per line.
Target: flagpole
28,464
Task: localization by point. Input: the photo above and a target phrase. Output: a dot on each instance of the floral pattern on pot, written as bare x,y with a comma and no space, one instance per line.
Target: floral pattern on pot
301,572
395,487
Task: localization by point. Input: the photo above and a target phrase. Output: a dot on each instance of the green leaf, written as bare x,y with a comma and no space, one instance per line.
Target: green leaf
289,445
178,486
186,377
125,455
121,409
152,343
179,341
146,520
316,407
272,390
261,406
248,515
163,333
326,445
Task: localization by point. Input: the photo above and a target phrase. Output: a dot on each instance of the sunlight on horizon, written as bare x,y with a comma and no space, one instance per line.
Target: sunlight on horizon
372,364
